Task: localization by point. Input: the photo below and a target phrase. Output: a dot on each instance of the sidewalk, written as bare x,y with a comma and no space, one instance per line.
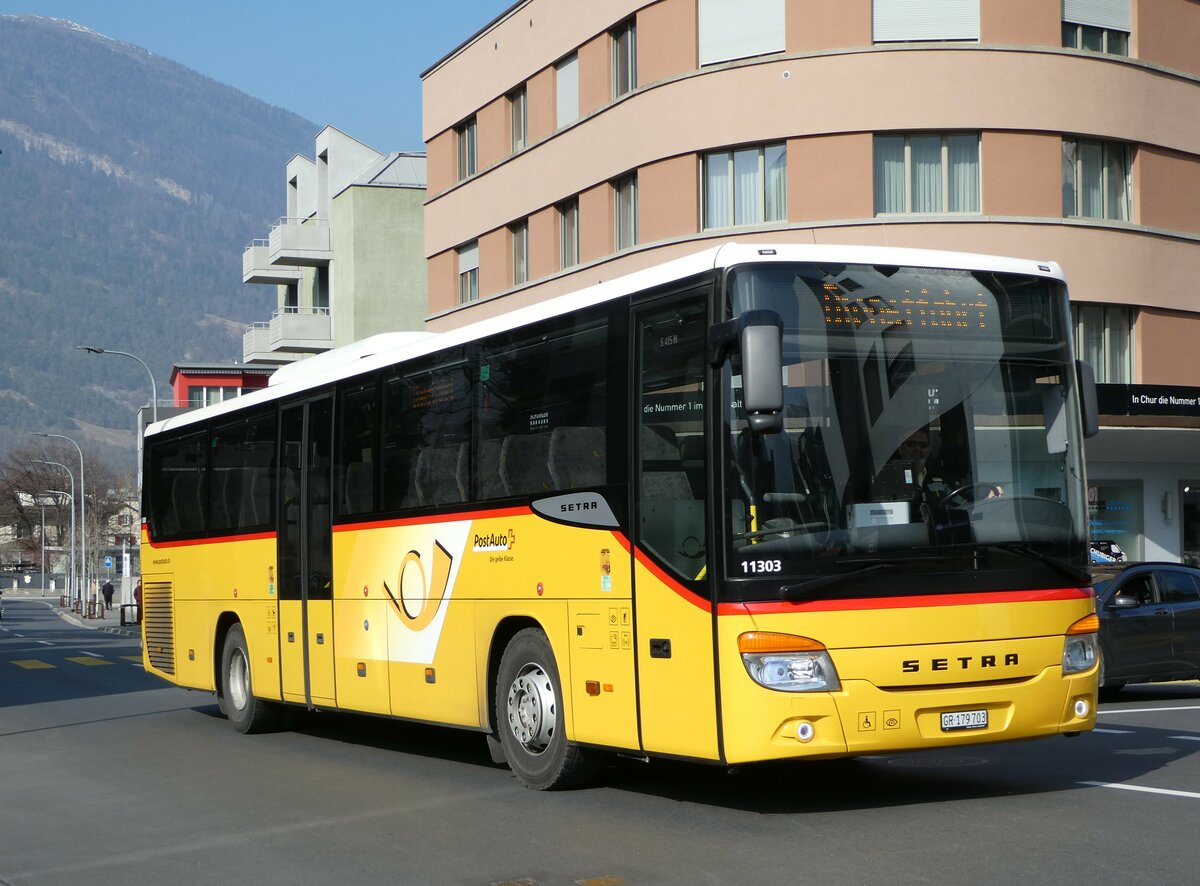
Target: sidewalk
110,623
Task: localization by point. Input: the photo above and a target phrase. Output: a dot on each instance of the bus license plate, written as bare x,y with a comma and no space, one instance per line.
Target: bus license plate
954,721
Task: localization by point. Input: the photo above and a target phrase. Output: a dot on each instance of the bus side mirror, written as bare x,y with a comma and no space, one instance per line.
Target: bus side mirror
759,338
762,371
1089,409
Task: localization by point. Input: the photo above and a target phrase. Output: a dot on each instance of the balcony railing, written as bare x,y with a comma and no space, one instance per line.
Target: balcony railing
257,267
290,332
300,241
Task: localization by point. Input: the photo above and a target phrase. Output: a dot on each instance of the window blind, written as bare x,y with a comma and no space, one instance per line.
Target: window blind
566,83
911,20
1115,14
732,29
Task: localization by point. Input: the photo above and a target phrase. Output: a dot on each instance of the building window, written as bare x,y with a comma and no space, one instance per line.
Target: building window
906,21
928,172
625,194
1096,179
733,29
520,252
208,395
466,148
568,228
468,272
746,186
624,67
518,114
566,85
1104,338
1097,25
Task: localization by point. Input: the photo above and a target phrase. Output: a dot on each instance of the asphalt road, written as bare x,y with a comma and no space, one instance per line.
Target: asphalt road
108,775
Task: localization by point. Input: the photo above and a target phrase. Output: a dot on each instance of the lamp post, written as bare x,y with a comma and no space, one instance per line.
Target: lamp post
82,513
58,464
91,349
71,496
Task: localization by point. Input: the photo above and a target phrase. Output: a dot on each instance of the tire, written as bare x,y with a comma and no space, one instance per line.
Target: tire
1103,682
529,717
236,698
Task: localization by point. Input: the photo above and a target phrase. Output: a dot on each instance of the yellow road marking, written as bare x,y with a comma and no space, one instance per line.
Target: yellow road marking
31,664
87,660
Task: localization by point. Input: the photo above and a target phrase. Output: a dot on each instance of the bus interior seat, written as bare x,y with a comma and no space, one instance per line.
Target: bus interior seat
491,485
577,457
691,457
256,505
437,476
524,464
357,495
663,477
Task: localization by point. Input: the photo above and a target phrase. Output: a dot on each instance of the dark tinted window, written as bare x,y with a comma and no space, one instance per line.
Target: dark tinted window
1140,587
177,486
543,395
356,480
242,474
427,431
1178,587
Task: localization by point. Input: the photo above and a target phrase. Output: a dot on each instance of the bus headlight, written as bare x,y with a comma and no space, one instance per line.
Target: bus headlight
787,663
1079,646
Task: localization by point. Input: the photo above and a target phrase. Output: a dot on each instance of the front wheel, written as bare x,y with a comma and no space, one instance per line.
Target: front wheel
529,717
246,713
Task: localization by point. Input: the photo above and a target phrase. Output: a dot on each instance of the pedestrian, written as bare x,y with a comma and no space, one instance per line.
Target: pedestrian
107,590
137,599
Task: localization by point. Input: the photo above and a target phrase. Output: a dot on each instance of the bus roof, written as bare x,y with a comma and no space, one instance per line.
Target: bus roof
393,347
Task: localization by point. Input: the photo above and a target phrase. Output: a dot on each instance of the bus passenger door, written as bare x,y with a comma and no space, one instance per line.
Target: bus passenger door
306,553
672,609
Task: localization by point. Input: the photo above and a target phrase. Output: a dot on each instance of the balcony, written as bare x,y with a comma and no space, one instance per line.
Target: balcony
290,333
300,241
257,267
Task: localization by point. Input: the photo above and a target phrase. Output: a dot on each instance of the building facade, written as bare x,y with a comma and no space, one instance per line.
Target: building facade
347,259
570,143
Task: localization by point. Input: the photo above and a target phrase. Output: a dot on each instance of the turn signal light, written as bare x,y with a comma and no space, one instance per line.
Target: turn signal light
769,641
1089,624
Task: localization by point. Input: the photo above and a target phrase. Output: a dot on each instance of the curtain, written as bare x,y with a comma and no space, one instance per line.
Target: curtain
775,164
717,212
926,153
747,187
889,173
963,152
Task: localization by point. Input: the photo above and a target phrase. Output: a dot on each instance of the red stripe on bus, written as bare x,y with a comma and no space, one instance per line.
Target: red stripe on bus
436,518
974,598
188,542
695,599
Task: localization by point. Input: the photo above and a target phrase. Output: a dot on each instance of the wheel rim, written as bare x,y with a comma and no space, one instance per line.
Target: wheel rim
531,708
239,679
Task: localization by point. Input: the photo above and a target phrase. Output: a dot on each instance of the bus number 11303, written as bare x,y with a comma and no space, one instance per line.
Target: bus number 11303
755,567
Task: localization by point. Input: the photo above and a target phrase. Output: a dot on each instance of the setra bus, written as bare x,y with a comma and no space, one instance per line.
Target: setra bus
758,503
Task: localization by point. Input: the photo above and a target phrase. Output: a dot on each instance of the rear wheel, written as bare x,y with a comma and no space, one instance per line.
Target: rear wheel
529,717
237,701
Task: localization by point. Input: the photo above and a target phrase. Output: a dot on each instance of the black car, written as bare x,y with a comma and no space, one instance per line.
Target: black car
1149,623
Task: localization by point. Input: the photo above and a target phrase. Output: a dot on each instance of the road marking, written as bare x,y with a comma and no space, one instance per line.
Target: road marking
45,642
1187,737
1115,731
31,664
79,659
136,658
1194,707
1191,795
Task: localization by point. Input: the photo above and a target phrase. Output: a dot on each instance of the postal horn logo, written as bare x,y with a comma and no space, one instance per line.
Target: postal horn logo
420,596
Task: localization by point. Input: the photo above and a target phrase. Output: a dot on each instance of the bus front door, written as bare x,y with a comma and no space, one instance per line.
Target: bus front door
306,553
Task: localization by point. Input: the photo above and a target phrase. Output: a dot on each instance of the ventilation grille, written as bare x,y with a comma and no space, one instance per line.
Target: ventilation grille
159,623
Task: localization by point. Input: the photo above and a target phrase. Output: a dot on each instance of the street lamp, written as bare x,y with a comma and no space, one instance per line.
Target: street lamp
82,512
71,496
91,349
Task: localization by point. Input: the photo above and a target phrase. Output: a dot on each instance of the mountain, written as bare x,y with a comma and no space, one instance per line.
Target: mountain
129,186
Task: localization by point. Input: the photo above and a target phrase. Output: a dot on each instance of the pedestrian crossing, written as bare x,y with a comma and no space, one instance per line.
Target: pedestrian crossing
37,664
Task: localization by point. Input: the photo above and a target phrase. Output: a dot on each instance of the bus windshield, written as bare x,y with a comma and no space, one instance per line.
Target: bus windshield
930,436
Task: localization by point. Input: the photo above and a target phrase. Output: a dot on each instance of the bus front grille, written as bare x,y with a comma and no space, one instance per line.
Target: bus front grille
159,623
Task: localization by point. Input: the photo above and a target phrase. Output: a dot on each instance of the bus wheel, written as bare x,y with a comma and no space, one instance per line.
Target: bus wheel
245,712
529,717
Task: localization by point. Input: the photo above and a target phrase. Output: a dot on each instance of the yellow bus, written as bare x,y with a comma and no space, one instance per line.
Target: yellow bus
753,504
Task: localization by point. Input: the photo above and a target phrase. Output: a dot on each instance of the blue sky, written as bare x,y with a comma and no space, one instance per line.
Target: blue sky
354,64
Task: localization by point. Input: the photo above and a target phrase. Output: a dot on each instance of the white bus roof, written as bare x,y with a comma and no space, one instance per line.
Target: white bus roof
394,347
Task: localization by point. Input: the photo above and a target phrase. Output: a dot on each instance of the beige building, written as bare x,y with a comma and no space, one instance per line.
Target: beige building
347,258
569,143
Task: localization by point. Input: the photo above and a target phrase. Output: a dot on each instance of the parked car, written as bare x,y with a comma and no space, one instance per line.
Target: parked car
1149,622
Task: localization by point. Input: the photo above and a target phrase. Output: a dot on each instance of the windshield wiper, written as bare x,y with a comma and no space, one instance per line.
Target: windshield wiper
1022,549
794,592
